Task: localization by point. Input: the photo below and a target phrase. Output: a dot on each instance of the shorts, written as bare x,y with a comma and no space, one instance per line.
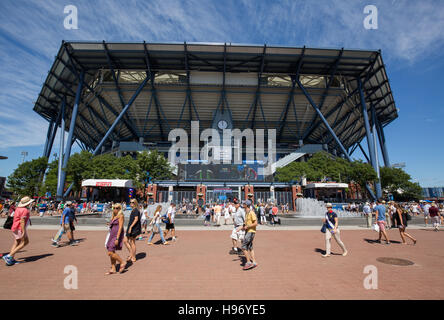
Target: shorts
71,226
381,225
436,220
169,226
238,235
144,223
247,244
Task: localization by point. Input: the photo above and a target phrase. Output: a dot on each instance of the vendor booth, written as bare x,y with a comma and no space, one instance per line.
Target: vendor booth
108,190
327,192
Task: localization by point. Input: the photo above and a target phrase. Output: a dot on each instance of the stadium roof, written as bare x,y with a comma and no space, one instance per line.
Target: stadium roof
272,99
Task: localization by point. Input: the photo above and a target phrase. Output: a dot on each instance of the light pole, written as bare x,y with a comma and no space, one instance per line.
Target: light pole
24,154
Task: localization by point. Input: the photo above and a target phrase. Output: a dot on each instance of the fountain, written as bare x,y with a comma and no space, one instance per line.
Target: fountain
312,208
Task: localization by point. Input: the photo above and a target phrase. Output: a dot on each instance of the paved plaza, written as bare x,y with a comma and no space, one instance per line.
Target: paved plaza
198,266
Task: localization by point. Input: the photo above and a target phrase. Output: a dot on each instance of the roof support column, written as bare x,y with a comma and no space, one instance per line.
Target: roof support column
53,134
72,125
315,107
62,141
307,95
48,137
120,116
371,146
382,143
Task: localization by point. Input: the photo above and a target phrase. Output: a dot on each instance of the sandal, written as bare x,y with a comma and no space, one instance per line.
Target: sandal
122,268
110,272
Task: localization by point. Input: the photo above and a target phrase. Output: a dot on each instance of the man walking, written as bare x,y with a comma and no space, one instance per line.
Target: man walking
435,216
381,220
217,214
64,226
237,234
171,213
332,231
368,214
425,209
250,231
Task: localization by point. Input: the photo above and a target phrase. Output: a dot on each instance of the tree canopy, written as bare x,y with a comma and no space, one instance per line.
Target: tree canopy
324,166
398,182
26,179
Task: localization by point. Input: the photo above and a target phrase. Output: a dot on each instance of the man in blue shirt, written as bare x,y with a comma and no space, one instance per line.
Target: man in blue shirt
380,210
65,226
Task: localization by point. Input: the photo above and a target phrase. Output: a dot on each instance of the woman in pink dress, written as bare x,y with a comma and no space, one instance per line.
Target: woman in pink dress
19,225
115,239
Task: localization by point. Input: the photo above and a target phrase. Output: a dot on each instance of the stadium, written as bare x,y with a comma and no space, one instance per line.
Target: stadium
122,98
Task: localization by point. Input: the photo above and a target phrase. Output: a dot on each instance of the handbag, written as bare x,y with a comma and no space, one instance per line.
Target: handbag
324,228
8,223
154,228
107,238
375,227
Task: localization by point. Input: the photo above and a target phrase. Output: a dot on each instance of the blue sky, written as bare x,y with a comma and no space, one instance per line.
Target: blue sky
410,35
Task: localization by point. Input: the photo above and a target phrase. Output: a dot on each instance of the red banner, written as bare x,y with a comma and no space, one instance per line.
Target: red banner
104,184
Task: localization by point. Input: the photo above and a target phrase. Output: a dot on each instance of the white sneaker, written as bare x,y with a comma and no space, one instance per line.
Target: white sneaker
325,255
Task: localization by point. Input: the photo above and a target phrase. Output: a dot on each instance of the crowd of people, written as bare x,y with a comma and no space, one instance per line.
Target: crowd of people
44,207
394,210
245,216
216,213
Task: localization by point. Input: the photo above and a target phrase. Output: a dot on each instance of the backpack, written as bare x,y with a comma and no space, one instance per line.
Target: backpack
165,219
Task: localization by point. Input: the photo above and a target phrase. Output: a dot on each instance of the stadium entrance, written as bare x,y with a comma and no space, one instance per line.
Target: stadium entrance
219,194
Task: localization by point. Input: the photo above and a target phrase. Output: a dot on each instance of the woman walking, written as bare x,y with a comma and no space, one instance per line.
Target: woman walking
155,226
115,240
19,225
133,230
400,217
144,221
331,221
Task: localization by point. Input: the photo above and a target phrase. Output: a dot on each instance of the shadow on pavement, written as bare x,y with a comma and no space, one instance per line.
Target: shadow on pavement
35,258
322,251
140,256
382,241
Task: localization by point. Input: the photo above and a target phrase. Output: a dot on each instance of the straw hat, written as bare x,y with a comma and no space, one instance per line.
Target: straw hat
25,202
329,205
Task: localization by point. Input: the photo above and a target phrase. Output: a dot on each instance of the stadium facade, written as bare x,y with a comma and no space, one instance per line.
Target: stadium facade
127,97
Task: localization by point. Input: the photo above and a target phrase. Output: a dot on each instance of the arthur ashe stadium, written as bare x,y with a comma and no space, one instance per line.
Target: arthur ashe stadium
122,98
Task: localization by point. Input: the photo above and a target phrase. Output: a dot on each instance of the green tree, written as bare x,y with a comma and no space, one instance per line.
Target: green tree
362,173
293,172
50,184
398,182
26,179
155,165
78,166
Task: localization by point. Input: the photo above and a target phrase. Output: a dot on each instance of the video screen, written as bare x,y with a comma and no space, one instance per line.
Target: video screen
221,172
